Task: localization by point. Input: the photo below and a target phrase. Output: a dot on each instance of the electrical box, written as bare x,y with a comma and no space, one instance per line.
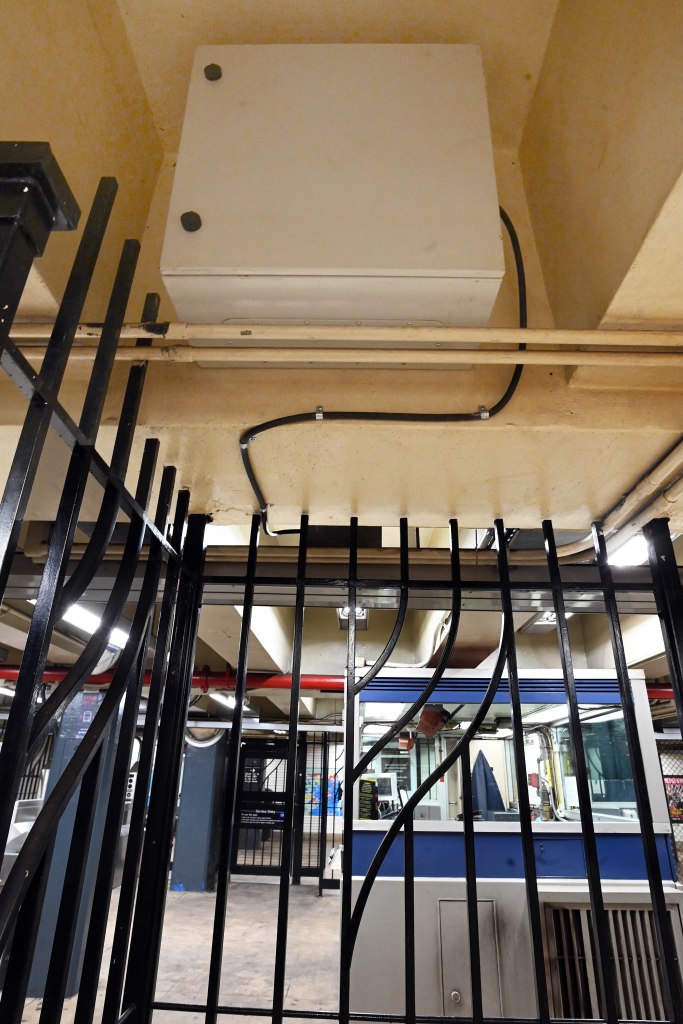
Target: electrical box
335,184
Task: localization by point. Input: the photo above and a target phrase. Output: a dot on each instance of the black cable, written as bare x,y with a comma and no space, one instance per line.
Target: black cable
482,413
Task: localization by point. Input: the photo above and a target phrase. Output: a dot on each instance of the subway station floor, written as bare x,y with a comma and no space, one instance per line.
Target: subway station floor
248,956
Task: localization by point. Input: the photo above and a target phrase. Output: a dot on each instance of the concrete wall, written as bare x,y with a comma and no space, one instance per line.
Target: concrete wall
68,77
603,145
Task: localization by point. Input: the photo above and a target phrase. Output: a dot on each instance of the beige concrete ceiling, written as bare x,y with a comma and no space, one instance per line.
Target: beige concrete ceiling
164,34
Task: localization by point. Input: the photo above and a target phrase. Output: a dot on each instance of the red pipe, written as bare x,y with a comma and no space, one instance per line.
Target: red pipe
202,680
660,693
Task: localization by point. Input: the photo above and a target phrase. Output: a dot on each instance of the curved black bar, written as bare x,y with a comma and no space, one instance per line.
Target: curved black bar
528,852
29,858
407,716
355,688
605,971
101,536
665,942
36,424
422,790
89,981
97,643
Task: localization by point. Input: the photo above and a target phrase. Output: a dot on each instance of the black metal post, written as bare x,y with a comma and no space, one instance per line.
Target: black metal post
409,916
671,979
324,777
145,941
124,916
346,944
669,597
600,923
299,810
291,782
112,826
229,823
522,790
34,200
471,886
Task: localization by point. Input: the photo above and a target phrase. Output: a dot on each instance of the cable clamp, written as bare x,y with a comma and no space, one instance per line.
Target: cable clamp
484,414
319,412
244,445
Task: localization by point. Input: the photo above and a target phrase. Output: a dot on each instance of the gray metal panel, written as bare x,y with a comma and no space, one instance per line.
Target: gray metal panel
455,958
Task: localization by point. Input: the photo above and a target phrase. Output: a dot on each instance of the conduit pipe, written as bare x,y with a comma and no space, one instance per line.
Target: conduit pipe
370,358
201,680
356,336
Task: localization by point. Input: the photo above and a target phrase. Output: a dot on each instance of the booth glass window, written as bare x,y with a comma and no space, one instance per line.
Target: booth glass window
409,759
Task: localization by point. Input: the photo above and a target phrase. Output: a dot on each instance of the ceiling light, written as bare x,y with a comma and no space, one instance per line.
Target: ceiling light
6,692
361,617
542,622
633,552
361,613
544,716
81,618
221,698
225,536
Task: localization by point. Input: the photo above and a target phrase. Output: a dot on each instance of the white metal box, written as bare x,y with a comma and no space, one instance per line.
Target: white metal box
336,184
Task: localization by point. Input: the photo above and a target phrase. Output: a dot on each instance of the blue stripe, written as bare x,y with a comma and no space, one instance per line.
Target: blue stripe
471,691
499,855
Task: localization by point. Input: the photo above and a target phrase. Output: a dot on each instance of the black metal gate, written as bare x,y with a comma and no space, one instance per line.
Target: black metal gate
158,568
261,807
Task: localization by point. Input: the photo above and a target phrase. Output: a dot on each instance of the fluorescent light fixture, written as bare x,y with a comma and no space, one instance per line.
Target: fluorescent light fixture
503,734
463,725
378,711
6,692
225,536
609,716
361,613
81,618
361,617
633,552
543,716
542,622
221,698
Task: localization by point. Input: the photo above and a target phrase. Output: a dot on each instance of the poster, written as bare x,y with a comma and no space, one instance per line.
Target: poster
673,784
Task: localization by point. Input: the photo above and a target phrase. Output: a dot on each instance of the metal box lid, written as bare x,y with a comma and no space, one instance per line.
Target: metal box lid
336,183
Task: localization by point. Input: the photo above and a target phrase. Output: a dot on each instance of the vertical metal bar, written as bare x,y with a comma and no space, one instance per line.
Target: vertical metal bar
13,751
520,767
230,825
671,989
150,313
409,916
324,785
290,786
124,916
346,945
669,599
471,885
65,928
112,827
608,1004
69,908
18,968
145,942
299,810
32,438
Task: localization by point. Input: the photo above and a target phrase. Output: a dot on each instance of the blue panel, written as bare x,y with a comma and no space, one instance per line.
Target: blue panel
499,855
471,691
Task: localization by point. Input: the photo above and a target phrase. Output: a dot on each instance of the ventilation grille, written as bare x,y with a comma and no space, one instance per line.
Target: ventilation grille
572,962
